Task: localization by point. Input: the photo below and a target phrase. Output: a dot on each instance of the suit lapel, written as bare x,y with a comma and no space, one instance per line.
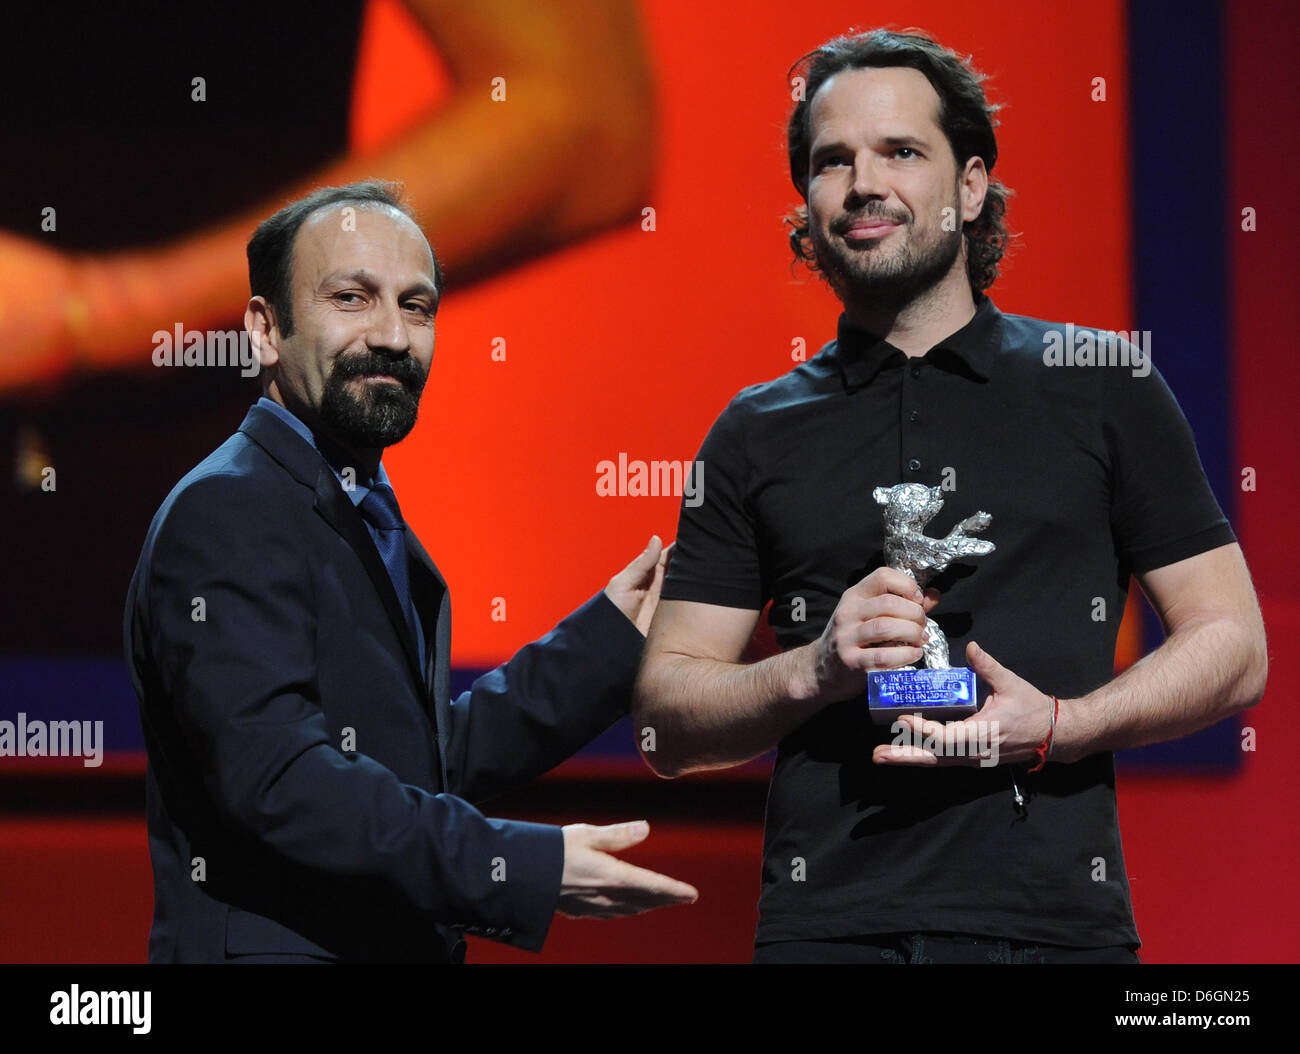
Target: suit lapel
428,589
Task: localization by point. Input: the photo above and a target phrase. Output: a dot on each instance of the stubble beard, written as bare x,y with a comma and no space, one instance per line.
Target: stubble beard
879,277
369,415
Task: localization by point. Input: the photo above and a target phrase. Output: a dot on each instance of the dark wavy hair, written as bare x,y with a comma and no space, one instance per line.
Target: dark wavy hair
965,115
270,250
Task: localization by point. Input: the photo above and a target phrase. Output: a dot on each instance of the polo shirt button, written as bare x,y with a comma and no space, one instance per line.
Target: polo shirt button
916,370
914,415
914,465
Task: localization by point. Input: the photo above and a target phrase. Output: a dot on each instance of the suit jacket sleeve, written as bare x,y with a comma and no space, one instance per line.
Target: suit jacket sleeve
238,674
554,695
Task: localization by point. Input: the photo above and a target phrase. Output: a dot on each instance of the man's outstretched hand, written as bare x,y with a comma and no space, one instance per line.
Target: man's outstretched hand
596,885
635,589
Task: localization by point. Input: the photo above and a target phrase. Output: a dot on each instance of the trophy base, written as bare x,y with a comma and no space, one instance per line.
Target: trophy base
937,695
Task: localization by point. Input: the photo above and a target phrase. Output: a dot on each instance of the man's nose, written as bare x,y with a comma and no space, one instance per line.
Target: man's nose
868,178
387,329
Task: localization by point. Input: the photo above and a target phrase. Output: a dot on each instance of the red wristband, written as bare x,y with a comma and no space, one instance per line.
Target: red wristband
1044,748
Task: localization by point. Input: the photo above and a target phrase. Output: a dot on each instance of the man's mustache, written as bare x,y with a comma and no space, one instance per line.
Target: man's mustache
842,224
406,369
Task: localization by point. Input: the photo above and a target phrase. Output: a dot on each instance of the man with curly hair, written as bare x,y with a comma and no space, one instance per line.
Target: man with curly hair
895,845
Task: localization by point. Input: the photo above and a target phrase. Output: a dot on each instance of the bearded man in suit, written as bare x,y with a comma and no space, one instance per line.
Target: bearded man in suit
310,778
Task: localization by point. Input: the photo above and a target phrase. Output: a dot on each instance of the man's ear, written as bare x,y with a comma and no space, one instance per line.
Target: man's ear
973,187
263,332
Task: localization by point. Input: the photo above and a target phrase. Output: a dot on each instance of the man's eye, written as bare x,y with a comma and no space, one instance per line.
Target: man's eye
348,298
906,150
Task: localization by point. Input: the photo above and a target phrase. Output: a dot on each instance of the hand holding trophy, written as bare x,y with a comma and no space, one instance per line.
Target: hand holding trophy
939,692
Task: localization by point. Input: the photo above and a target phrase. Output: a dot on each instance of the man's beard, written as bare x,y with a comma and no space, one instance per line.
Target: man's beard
369,415
879,277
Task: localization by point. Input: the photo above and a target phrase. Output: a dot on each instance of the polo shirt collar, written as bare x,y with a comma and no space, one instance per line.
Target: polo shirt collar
861,355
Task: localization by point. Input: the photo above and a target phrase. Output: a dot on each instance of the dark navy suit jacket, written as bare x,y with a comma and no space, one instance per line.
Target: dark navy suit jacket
309,780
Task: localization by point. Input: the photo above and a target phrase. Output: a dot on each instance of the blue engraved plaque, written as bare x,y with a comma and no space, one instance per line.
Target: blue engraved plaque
937,695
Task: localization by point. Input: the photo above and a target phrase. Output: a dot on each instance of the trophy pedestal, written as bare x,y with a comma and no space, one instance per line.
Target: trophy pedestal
937,695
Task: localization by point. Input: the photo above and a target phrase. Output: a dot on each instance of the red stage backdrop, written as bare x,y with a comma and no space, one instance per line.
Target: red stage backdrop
629,343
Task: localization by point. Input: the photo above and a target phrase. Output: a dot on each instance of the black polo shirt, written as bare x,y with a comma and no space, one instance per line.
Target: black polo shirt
1089,472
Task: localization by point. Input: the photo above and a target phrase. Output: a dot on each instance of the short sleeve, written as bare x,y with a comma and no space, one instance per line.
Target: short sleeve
716,559
1162,507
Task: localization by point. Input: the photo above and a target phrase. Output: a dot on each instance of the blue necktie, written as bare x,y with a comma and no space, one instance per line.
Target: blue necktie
380,508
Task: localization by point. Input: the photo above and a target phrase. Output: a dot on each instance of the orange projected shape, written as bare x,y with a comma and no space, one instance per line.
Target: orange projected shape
400,76
1128,645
